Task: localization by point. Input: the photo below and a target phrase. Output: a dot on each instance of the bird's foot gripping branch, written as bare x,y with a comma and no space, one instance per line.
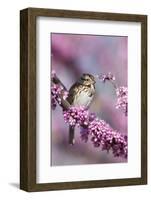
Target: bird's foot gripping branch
99,132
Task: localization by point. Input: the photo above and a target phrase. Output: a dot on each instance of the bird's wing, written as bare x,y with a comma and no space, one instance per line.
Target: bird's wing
73,91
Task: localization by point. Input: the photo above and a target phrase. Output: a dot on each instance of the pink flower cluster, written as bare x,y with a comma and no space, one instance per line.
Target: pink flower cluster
76,116
106,77
121,92
104,136
99,132
56,91
122,99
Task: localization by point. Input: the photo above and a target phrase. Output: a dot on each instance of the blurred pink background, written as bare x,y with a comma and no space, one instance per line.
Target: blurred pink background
72,55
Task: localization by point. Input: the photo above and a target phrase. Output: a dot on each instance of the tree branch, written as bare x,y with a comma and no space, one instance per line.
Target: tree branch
100,133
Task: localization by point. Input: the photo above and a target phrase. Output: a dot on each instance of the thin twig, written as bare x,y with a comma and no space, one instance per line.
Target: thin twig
56,80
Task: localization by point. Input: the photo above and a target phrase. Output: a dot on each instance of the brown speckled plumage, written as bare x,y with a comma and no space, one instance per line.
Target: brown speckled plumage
81,93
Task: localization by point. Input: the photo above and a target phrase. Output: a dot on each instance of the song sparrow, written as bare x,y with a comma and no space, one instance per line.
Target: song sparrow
81,93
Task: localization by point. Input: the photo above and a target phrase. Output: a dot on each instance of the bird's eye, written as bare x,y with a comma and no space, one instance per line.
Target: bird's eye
84,79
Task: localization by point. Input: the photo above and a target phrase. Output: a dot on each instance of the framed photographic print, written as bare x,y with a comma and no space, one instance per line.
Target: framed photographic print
83,99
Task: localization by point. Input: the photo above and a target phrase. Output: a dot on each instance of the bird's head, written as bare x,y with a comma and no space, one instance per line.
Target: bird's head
87,79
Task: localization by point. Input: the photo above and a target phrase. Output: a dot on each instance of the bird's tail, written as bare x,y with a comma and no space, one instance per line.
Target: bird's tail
71,135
